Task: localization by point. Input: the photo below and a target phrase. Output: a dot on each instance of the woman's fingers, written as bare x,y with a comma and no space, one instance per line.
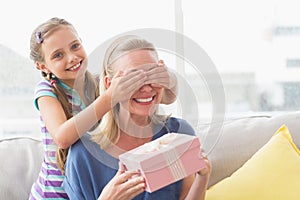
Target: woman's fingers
131,188
207,169
124,177
130,182
135,187
121,169
124,185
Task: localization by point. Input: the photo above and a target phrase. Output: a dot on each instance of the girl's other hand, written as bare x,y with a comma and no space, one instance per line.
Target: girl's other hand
160,76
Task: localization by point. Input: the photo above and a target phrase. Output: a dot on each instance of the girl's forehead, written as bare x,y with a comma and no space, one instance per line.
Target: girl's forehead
59,38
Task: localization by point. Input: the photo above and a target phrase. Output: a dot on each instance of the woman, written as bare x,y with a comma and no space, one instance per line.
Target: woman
91,168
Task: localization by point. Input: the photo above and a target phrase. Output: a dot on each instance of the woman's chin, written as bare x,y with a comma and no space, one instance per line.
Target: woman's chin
144,112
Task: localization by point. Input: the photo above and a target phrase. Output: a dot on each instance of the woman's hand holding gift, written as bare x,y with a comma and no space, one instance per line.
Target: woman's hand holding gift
123,186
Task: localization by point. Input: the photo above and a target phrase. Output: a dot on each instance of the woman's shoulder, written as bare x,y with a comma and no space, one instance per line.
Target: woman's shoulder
178,120
81,146
80,152
87,152
180,125
86,147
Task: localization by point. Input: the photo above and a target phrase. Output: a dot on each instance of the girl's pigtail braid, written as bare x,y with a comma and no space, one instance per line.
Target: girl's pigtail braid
91,86
61,154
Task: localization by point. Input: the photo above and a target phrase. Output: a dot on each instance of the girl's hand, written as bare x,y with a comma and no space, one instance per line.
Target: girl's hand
160,76
124,84
123,186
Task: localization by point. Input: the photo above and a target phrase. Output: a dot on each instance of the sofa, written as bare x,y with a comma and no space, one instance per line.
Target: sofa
239,139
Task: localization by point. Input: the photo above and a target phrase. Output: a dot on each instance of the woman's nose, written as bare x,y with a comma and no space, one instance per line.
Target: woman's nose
146,88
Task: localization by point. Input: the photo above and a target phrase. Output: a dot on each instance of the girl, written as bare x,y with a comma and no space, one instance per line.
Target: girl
91,167
67,98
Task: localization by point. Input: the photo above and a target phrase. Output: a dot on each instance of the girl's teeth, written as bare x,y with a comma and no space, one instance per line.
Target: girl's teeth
75,67
144,100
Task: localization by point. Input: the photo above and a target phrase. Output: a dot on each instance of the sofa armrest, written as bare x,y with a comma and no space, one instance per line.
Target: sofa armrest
21,160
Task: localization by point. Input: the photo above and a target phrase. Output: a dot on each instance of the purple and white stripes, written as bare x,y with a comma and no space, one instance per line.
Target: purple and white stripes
49,183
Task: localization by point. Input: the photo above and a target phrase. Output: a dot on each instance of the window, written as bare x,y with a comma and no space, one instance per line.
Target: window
253,46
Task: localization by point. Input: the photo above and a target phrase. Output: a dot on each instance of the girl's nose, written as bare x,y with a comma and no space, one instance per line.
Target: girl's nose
72,57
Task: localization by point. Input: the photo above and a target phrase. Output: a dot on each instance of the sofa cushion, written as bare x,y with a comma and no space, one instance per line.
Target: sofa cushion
20,165
272,173
240,138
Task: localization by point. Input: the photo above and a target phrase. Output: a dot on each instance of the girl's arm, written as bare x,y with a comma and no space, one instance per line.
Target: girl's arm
65,132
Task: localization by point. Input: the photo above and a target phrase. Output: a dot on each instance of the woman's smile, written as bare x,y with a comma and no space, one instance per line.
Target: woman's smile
144,100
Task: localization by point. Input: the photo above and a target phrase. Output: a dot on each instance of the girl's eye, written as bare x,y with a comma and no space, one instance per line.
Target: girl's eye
57,55
75,46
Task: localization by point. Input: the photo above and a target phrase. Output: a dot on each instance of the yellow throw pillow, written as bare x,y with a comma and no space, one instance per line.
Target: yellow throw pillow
272,173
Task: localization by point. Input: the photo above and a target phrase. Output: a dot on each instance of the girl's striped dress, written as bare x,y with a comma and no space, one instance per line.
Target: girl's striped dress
49,182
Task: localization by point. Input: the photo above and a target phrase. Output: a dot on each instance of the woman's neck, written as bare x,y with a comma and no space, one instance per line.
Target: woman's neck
135,130
127,141
140,120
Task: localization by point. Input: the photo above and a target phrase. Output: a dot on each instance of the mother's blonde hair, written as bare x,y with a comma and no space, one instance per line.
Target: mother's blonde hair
118,48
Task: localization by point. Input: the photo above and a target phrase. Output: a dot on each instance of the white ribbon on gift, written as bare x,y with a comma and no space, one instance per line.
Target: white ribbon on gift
175,164
157,144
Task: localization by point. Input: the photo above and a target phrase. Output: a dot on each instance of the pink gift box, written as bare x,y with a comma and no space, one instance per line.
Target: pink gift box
165,160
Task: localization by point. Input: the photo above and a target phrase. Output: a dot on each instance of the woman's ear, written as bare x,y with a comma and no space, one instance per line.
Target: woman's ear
107,81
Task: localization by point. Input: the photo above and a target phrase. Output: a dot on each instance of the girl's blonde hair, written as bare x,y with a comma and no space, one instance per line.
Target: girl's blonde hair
36,54
118,48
